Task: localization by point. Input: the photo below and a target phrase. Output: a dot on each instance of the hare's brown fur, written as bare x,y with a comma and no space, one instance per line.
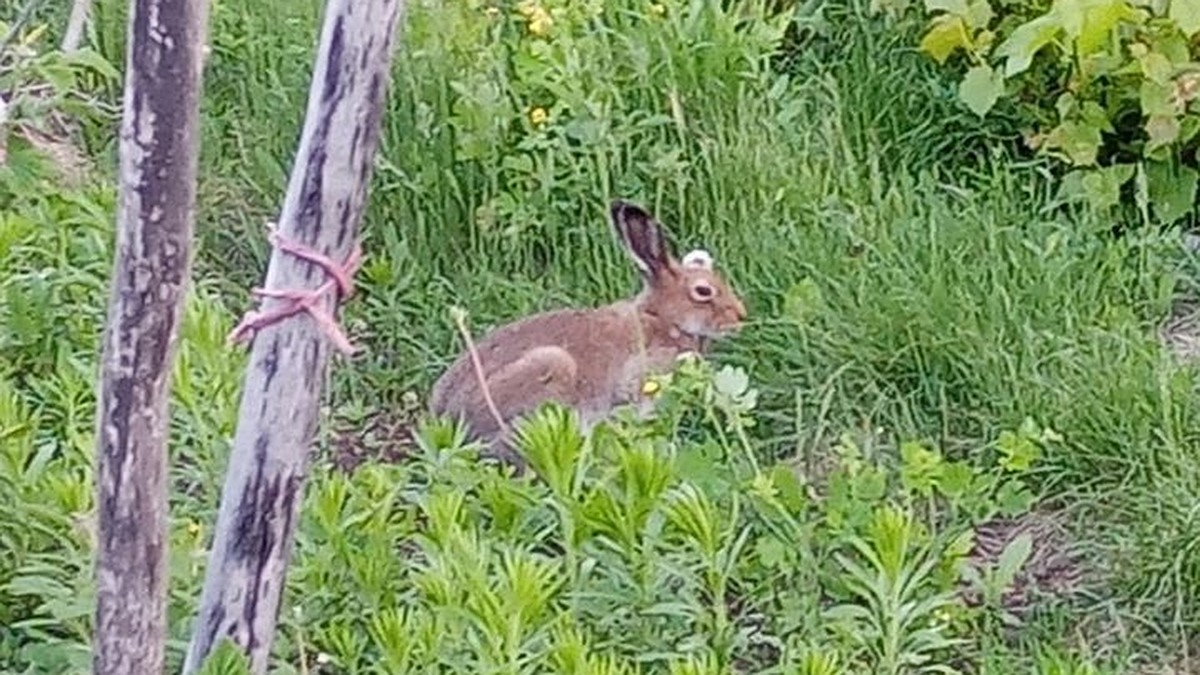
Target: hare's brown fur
595,359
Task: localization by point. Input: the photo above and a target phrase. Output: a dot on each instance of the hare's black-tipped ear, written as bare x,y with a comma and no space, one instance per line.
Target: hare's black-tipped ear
642,237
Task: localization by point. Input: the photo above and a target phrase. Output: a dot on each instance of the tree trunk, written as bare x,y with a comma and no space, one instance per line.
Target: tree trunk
277,420
156,208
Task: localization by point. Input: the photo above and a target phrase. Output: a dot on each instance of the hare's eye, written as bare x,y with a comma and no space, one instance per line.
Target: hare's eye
702,292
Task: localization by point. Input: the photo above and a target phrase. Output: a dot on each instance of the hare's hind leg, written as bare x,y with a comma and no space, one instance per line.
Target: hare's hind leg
541,375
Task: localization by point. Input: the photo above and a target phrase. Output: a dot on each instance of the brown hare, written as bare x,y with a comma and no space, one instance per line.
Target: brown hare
592,360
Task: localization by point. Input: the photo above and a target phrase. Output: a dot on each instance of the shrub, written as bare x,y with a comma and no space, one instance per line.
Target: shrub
1108,88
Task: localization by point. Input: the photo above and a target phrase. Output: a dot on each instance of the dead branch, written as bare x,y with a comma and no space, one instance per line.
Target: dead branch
76,23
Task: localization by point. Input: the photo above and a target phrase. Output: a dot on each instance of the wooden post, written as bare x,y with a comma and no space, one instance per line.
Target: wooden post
277,420
155,213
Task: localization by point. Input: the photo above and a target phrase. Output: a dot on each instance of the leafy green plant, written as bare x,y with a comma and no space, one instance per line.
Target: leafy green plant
612,558
541,97
925,319
1110,88
895,620
43,84
995,581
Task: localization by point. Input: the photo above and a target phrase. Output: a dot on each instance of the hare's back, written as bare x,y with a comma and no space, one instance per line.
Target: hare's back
595,338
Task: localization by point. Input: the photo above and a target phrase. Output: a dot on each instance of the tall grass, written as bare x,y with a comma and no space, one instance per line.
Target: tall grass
895,270
902,271
930,288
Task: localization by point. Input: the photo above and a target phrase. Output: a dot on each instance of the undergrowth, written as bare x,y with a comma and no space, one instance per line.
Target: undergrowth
942,359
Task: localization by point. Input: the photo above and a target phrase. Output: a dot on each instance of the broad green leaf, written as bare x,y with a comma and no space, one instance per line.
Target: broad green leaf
1013,558
1172,190
1025,42
946,33
1103,186
1157,100
804,301
1186,13
1171,44
962,545
1189,129
1018,451
1079,141
1156,67
920,466
1013,498
956,479
980,14
1099,188
1099,21
1065,105
1093,114
981,88
789,489
1161,131
1070,15
870,485
1088,20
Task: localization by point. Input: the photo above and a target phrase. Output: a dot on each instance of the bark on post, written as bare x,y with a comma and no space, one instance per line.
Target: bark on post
277,419
156,208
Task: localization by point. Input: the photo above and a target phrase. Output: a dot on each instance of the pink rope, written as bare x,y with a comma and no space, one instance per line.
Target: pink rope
301,300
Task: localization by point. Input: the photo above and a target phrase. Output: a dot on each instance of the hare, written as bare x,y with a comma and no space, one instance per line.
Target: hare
596,359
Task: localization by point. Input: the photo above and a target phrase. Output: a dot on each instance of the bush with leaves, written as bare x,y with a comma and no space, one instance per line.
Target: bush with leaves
1109,88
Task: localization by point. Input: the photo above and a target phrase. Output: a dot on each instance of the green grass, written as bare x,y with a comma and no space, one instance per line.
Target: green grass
903,272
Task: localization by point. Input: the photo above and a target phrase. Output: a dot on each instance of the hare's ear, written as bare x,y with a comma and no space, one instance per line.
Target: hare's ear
642,237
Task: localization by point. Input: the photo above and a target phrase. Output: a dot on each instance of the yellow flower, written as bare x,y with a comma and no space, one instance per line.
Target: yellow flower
540,23
658,9
538,116
650,387
193,528
537,17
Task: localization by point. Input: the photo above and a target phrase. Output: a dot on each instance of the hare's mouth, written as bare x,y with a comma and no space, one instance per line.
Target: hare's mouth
728,328
718,332
710,330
